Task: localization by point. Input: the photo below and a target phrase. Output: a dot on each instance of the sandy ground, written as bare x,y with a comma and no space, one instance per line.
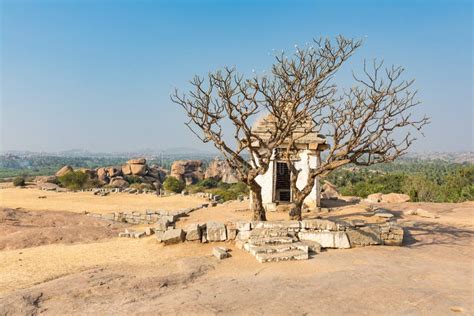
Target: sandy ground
86,201
432,274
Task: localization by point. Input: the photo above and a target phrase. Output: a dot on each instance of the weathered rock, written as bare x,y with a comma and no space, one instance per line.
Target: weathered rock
364,236
216,231
64,170
383,213
138,170
102,175
113,171
193,232
138,161
118,182
395,198
220,252
329,191
374,198
188,171
126,170
221,171
157,172
173,236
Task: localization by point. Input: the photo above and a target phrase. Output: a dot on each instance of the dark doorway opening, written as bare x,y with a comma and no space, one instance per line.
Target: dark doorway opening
282,182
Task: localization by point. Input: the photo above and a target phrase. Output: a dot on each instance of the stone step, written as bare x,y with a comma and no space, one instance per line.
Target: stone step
254,250
282,256
271,240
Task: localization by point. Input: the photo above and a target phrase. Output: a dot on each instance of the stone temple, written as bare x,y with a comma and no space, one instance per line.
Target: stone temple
275,182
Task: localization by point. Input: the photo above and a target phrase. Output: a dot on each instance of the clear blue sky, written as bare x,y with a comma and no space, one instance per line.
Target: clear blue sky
97,75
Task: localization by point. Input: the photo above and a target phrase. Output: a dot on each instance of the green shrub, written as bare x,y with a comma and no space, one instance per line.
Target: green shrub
133,179
230,191
19,181
142,186
172,184
76,180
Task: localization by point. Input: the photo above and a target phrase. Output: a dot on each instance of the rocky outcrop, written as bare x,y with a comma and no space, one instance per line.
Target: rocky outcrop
220,171
189,171
64,170
329,191
387,198
118,182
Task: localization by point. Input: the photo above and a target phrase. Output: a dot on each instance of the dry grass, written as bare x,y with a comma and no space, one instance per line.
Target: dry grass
86,201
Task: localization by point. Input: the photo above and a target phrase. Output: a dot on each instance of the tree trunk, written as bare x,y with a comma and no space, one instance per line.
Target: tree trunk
257,205
295,211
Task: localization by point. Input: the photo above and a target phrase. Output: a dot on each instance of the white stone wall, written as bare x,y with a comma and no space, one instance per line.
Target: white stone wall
266,180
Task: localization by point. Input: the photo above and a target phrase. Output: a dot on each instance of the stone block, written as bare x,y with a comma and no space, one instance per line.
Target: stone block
231,231
327,239
124,234
193,232
364,236
243,235
173,236
220,252
341,241
159,235
216,231
319,224
243,226
139,234
277,224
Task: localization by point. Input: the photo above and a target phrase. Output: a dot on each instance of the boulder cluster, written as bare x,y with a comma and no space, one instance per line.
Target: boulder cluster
137,170
116,176
188,171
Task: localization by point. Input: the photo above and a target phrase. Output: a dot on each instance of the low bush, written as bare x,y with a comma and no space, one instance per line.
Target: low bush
19,181
172,184
76,180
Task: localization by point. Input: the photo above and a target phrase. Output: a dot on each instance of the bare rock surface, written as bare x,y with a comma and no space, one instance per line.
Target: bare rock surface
221,171
24,229
189,171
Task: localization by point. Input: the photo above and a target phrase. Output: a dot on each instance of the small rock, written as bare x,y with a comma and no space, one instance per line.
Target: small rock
220,252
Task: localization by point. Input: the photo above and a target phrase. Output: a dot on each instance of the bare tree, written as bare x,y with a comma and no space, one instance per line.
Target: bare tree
293,91
368,124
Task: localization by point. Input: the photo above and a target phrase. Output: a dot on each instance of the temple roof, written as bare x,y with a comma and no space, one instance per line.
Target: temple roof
305,134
